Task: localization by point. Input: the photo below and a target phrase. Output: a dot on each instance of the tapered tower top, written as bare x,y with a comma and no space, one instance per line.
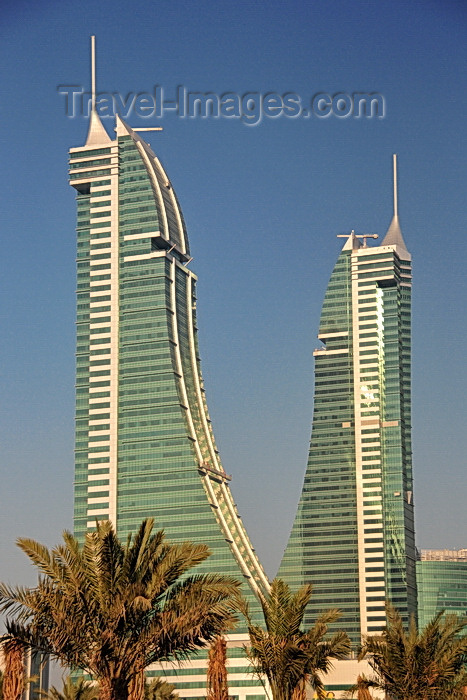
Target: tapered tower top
97,135
394,233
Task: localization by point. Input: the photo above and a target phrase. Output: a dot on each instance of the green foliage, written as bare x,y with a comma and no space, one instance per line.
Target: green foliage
361,689
111,609
412,665
158,689
80,689
285,654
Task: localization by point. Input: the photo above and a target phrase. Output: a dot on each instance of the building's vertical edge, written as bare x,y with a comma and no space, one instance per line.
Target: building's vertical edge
36,671
214,461
94,174
179,365
358,439
369,391
114,343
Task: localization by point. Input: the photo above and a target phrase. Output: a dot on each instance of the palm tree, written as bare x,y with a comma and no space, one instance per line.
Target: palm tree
412,665
158,689
361,688
285,654
111,609
217,688
80,689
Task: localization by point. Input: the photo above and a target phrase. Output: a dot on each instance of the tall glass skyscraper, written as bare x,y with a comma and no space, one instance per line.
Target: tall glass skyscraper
144,443
353,535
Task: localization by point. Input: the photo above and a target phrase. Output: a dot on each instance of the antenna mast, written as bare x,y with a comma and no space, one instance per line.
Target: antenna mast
93,73
97,134
394,169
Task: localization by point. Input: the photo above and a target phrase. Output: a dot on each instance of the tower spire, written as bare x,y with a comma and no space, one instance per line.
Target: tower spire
93,72
394,233
394,171
97,135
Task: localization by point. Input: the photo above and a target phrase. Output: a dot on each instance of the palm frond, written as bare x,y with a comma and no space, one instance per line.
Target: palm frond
289,657
413,665
80,689
45,560
111,609
158,689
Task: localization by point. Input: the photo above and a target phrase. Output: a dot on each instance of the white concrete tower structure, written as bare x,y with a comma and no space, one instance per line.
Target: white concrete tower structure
144,441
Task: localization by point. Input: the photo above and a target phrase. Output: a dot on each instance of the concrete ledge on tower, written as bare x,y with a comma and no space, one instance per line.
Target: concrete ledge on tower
205,468
161,243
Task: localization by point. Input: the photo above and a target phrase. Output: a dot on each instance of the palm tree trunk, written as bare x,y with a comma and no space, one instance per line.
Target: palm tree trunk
13,678
217,671
299,692
113,689
362,689
136,686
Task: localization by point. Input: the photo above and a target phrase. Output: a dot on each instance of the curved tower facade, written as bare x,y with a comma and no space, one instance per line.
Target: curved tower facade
353,535
144,442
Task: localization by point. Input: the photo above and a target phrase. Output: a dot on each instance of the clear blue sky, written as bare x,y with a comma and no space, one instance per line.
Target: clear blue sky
263,206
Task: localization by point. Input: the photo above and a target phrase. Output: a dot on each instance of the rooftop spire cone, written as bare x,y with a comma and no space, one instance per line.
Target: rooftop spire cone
394,234
97,135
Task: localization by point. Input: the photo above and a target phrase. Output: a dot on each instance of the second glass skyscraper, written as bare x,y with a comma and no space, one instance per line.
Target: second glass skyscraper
353,536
